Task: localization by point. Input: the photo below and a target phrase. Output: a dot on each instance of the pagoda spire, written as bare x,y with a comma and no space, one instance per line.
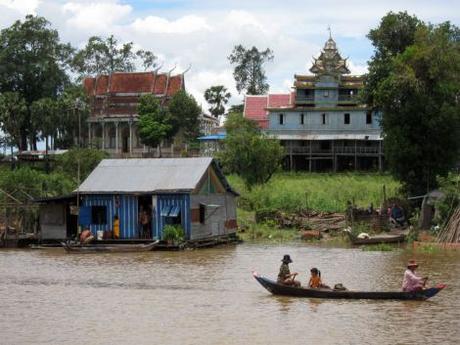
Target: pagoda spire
329,61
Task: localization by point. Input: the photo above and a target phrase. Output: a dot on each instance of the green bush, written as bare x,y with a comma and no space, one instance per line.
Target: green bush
290,192
173,233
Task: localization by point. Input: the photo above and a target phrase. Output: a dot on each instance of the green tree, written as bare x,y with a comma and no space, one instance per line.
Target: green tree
420,105
45,116
248,152
154,121
33,64
88,159
249,73
394,34
13,112
217,96
104,56
185,114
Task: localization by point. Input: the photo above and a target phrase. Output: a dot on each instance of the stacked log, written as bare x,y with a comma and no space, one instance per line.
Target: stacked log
451,232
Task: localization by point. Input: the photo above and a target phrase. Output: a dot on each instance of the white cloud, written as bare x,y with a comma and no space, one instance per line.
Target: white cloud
184,25
95,17
22,6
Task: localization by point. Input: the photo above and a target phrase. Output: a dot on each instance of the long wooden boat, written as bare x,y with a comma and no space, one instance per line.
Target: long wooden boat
114,248
279,289
377,239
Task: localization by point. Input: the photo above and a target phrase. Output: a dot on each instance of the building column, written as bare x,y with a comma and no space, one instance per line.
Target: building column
117,145
130,137
89,134
103,135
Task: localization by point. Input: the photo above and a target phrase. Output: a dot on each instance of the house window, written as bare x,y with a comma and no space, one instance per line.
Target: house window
302,119
281,119
346,119
99,215
202,213
323,118
326,93
369,118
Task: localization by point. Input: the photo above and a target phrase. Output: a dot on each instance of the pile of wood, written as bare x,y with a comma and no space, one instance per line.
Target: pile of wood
451,232
305,220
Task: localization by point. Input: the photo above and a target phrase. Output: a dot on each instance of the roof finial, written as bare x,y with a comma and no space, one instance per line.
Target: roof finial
330,31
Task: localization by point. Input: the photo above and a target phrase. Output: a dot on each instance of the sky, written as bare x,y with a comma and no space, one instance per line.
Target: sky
200,34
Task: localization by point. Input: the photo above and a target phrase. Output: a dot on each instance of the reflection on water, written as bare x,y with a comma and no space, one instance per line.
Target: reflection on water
210,297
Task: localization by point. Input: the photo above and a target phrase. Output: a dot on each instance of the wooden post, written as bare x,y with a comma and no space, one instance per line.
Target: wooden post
116,137
356,155
290,156
380,156
334,157
103,135
310,162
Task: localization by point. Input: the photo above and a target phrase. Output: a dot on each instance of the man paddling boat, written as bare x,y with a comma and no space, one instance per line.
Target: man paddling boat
285,276
412,282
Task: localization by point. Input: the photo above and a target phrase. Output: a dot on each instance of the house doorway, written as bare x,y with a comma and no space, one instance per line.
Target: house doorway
145,216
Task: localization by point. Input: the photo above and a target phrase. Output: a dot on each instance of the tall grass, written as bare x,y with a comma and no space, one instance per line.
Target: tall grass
321,192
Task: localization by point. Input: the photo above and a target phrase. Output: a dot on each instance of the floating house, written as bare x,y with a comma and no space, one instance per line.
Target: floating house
191,192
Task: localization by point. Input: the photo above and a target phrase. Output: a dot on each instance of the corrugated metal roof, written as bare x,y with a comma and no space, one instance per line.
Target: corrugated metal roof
146,175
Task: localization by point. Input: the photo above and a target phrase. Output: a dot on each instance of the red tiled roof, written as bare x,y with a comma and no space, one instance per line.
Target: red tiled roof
160,84
278,100
175,84
133,83
255,107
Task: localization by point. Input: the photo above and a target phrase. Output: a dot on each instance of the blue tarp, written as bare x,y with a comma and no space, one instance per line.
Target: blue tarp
175,210
165,210
219,136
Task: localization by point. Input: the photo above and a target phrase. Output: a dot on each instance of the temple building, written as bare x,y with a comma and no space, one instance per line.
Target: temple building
112,125
322,123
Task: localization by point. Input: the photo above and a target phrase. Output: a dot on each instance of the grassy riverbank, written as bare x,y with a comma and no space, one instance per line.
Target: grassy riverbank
320,192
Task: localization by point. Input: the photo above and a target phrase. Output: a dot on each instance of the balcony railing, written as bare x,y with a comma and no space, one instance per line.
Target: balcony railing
348,98
340,149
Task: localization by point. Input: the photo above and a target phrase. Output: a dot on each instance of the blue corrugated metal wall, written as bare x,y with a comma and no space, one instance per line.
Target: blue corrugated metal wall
127,213
181,200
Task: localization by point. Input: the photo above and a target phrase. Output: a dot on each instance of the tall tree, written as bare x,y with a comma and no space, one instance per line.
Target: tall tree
217,96
248,152
13,113
394,34
185,113
45,116
249,73
33,64
154,121
419,99
104,56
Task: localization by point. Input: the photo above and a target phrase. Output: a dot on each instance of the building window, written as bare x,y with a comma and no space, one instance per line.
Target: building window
302,119
99,215
323,118
326,93
369,118
281,119
346,119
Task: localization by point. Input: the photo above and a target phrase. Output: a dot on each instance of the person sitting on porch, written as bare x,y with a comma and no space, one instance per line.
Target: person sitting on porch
86,236
411,281
285,276
397,215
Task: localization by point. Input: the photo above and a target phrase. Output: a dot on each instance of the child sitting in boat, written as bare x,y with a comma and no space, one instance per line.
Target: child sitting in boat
315,279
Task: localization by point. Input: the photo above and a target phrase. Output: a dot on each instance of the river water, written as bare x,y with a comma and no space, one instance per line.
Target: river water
209,297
